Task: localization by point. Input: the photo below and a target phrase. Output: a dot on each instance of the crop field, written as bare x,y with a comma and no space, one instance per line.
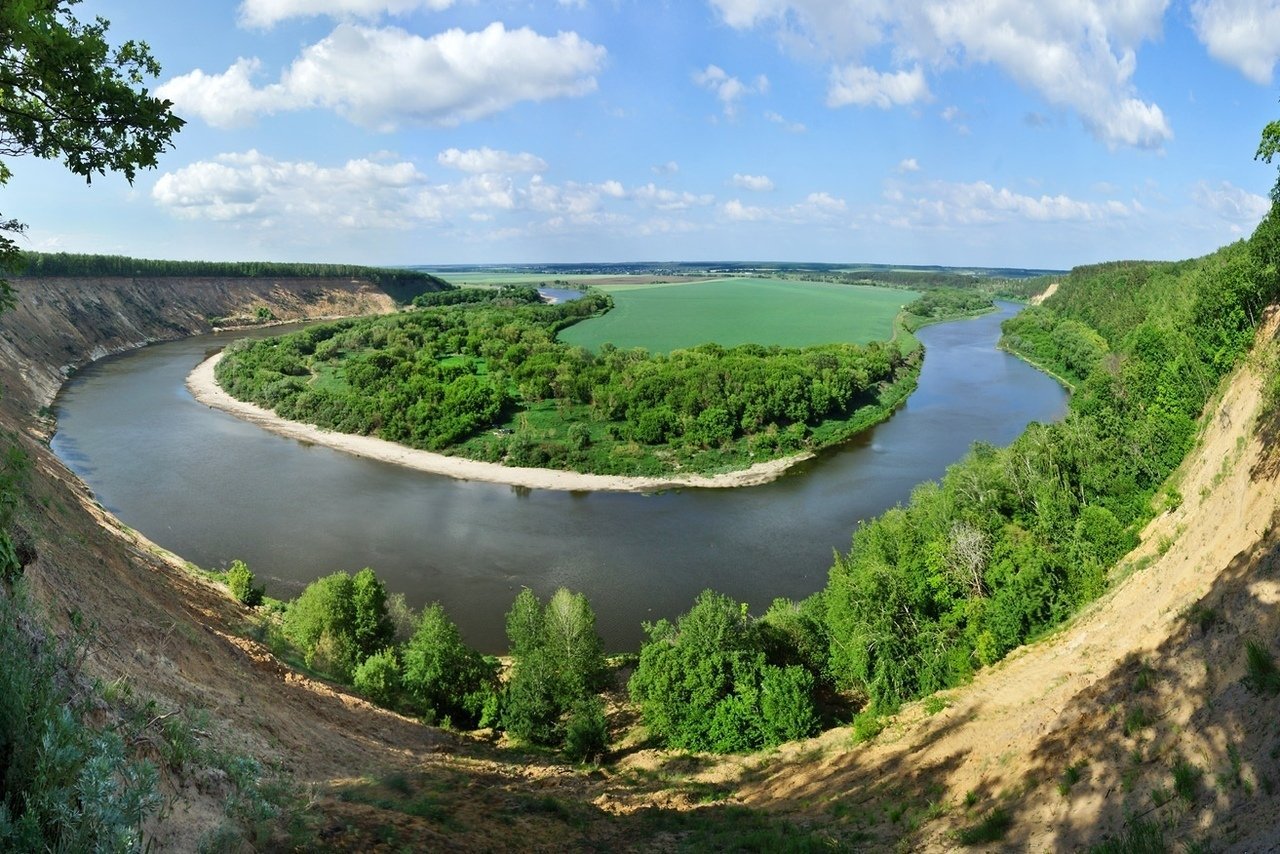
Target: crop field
734,311
491,278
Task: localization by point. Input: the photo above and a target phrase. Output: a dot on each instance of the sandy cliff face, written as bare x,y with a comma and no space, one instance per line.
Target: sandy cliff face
60,324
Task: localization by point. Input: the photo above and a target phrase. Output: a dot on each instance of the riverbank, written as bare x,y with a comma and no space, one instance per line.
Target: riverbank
205,389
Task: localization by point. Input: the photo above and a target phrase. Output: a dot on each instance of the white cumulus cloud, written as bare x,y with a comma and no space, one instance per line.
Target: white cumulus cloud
479,160
758,183
267,13
729,89
867,87
1077,54
738,212
1241,33
382,78
943,203
251,186
1239,207
670,200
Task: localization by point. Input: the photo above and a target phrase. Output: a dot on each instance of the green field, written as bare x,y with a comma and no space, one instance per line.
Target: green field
734,311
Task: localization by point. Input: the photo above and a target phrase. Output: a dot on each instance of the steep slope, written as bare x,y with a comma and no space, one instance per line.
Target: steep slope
1151,676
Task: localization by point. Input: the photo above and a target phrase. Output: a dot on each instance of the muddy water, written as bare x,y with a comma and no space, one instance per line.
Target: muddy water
213,488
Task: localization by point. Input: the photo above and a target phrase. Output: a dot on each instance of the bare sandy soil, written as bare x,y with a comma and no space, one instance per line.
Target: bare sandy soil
204,388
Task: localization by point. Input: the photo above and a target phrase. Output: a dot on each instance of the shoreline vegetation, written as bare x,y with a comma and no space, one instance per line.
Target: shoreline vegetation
477,376
205,389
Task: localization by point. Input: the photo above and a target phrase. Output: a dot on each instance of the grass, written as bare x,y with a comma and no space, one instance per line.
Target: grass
741,311
1141,836
1138,719
1186,780
1262,676
990,828
1070,777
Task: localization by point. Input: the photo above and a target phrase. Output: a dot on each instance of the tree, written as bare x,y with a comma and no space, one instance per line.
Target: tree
66,94
442,675
559,664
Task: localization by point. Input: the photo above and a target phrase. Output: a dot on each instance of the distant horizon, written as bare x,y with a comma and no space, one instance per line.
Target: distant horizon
954,135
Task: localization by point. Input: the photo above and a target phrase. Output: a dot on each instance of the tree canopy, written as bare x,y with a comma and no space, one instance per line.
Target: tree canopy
66,94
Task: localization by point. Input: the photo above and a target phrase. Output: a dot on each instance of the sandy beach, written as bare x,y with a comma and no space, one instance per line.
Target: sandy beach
205,389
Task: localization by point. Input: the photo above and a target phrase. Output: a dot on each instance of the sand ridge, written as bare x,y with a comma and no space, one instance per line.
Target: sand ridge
204,388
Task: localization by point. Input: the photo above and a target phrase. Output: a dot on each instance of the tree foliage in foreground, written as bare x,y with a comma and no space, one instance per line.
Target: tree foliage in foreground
705,682
557,668
67,94
1013,540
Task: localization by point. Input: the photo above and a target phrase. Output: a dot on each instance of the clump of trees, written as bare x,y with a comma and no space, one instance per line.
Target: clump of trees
706,682
345,627
557,671
437,378
949,302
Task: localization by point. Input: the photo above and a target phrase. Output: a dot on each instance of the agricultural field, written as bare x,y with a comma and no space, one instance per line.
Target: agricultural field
733,311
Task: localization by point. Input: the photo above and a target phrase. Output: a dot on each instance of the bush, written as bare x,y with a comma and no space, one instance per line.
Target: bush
705,683
63,786
586,734
338,621
378,678
240,581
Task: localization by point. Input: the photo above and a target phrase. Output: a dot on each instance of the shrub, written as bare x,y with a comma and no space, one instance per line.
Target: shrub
586,733
338,621
378,678
442,675
705,683
63,786
240,581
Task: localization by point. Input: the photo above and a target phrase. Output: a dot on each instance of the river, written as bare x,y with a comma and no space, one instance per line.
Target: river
213,488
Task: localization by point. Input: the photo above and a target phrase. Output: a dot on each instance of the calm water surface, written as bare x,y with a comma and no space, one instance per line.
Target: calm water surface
213,488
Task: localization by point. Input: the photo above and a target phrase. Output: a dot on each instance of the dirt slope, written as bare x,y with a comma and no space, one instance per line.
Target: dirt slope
1169,640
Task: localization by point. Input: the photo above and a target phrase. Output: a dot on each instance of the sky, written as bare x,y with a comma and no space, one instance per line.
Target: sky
969,133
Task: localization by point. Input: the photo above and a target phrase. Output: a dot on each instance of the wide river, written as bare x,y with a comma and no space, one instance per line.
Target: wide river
213,488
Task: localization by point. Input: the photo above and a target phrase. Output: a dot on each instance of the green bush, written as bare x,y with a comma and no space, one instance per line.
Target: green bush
586,734
443,677
240,581
63,785
338,621
705,683
378,678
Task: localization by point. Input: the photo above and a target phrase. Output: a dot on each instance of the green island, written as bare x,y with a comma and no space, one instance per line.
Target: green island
495,375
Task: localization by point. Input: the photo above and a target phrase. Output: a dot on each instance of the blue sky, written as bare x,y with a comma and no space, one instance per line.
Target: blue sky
976,132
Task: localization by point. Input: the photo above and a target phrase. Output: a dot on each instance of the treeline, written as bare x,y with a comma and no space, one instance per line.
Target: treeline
38,264
716,679
1013,540
949,302
437,377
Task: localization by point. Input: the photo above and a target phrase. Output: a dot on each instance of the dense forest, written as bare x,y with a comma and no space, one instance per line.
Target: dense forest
480,373
36,264
1013,540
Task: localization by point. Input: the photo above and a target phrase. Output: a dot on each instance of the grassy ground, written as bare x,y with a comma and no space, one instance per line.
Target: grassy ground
662,318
